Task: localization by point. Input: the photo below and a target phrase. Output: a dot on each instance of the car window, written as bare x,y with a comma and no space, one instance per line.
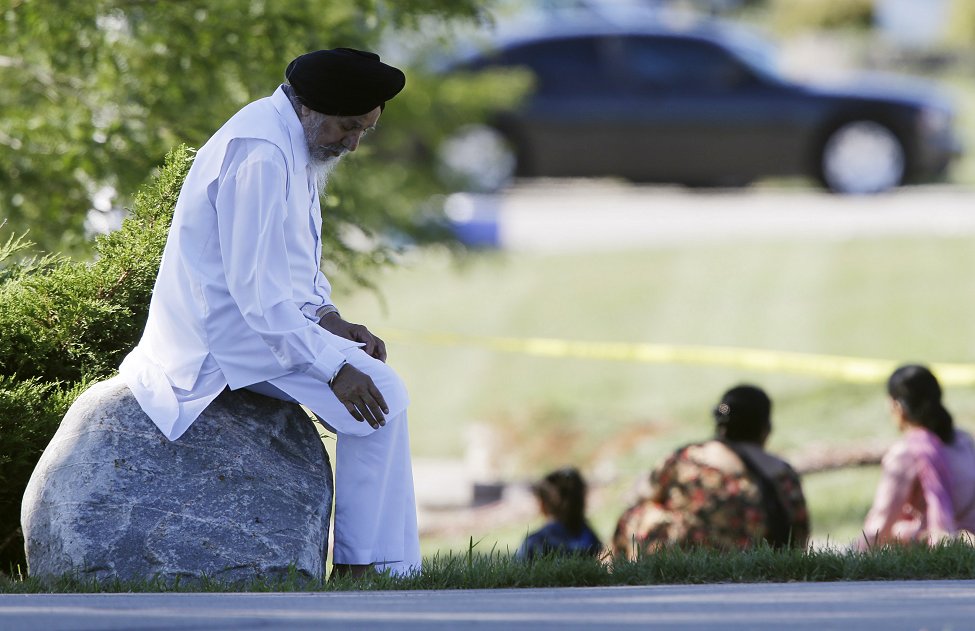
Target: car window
562,66
666,63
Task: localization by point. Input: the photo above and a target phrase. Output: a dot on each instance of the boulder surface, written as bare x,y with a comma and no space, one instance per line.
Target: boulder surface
246,492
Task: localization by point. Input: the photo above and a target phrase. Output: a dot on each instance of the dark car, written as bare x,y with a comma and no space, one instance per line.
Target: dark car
703,108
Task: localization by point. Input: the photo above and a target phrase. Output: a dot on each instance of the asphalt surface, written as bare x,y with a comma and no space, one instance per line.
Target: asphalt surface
893,606
571,215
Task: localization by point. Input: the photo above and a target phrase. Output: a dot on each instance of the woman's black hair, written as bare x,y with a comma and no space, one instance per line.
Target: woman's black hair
563,494
744,414
919,393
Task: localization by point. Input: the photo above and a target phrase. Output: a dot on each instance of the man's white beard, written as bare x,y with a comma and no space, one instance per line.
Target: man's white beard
323,169
323,158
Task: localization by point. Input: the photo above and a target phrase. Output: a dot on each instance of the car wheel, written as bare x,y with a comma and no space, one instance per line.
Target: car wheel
862,157
480,157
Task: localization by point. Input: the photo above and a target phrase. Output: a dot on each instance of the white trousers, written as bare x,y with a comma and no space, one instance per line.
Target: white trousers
375,507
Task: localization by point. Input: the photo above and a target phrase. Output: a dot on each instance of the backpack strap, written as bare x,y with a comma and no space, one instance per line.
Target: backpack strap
778,529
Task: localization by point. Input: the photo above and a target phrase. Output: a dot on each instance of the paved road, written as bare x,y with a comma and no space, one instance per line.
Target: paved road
891,606
597,215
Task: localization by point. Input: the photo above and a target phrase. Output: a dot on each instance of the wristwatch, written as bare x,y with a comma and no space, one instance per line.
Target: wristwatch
336,373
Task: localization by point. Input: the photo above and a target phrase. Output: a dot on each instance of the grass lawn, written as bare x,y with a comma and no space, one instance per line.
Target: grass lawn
471,570
898,299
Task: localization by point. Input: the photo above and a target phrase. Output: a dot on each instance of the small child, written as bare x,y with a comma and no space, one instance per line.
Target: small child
562,499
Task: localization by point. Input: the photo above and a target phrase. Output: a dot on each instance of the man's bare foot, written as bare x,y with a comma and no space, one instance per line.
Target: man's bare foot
345,569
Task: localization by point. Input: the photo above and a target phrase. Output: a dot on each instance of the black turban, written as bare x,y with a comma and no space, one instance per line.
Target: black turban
343,81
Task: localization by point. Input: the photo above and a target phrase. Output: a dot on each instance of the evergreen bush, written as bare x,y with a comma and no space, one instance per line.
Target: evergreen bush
67,324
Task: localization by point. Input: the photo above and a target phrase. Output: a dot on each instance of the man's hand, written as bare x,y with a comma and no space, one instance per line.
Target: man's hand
355,332
360,396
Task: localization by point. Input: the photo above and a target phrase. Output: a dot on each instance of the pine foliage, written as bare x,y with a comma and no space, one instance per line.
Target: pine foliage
67,324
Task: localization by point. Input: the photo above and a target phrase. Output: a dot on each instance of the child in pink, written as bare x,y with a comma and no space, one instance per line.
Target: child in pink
927,490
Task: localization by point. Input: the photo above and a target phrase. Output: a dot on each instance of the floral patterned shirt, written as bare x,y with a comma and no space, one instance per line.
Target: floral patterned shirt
703,495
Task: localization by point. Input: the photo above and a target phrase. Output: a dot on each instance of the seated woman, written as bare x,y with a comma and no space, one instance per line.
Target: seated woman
928,486
562,499
725,493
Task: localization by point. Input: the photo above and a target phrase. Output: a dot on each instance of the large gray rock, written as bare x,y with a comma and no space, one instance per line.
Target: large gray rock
244,493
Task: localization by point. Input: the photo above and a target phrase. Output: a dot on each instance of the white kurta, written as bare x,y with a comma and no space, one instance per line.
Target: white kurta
240,279
234,304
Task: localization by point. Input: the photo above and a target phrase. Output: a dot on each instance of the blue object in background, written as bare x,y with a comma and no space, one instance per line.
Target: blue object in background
474,219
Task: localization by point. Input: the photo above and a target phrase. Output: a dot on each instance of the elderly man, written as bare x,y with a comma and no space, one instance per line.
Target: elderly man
241,300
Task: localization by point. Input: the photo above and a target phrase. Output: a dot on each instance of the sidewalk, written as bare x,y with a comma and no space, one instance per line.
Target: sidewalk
891,606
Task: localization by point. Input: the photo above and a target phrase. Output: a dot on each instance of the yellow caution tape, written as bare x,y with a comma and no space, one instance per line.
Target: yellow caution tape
836,367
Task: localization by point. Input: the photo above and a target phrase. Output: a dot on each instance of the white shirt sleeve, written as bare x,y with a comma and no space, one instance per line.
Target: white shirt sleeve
323,289
251,206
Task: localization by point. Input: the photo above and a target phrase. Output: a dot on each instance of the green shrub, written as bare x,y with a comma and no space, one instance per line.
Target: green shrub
67,324
30,412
